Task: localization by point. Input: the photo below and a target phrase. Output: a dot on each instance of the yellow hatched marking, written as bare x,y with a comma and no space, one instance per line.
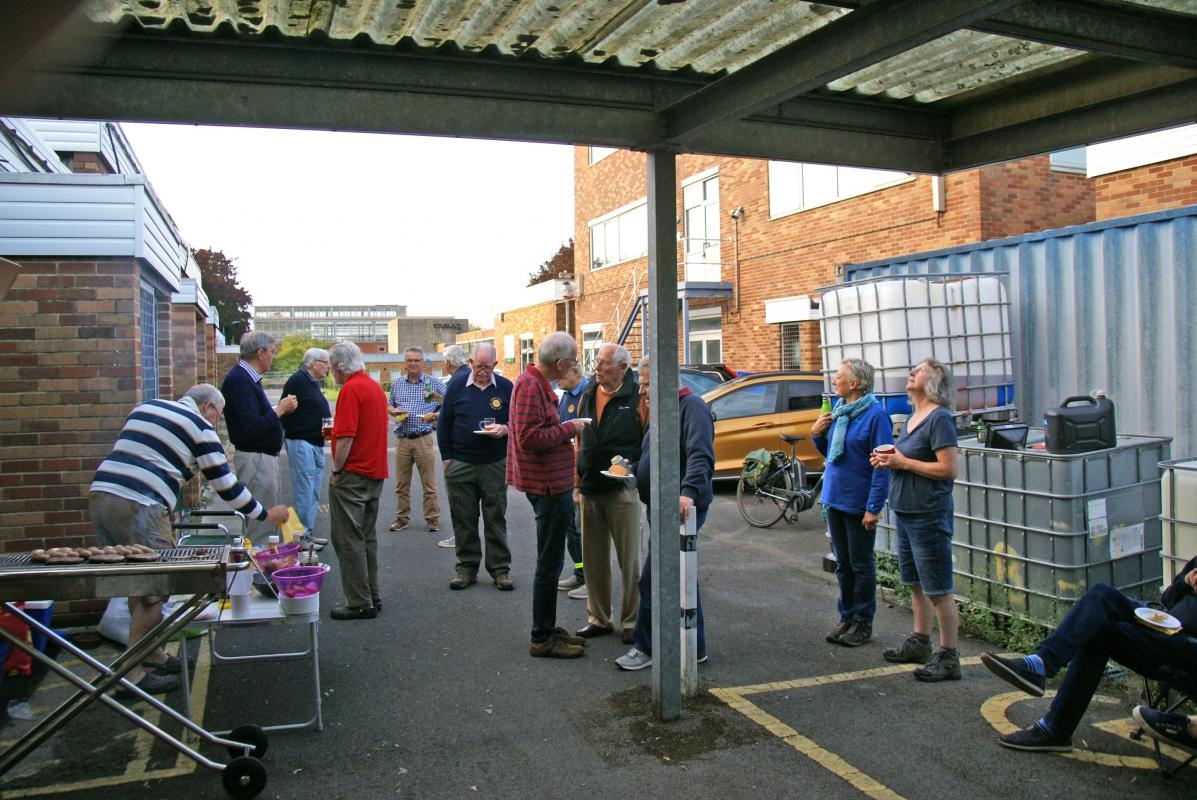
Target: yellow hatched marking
840,677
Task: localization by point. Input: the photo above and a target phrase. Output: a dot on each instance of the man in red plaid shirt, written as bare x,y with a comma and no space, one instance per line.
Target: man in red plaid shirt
540,463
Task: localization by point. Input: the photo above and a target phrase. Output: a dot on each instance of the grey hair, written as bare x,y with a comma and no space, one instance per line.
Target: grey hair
313,354
862,371
254,341
486,346
204,393
644,362
414,349
455,356
556,346
619,355
346,358
939,386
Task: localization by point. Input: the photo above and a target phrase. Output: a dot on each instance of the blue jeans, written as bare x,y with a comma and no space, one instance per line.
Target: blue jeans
1101,626
643,632
925,550
854,567
553,514
573,543
307,472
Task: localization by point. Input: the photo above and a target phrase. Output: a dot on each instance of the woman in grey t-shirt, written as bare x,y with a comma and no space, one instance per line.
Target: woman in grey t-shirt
920,495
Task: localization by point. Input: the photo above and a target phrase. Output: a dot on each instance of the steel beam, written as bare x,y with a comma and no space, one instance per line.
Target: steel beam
664,433
865,37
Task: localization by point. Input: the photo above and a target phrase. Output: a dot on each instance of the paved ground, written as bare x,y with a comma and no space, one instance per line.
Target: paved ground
438,698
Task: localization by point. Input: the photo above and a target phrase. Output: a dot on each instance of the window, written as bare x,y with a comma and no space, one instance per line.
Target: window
591,341
700,200
706,339
597,154
750,401
149,344
621,236
803,395
791,346
1072,160
795,186
525,350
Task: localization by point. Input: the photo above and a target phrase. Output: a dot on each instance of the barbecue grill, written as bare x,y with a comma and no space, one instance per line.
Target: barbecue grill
197,571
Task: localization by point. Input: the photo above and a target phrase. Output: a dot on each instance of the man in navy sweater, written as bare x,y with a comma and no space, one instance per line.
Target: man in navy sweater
254,427
475,464
305,440
456,370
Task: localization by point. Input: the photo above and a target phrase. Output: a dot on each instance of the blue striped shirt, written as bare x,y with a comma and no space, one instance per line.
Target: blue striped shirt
409,397
162,445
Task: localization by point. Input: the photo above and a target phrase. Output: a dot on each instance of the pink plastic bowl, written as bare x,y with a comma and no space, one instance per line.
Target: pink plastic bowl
298,581
287,555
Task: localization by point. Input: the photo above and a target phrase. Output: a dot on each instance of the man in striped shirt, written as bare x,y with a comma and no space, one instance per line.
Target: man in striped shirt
161,446
540,463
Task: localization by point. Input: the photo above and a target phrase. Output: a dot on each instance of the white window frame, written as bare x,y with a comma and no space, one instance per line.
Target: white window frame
527,351
597,154
705,336
701,253
773,175
607,227
591,345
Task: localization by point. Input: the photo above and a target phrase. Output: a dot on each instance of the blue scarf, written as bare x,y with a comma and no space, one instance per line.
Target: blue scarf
842,414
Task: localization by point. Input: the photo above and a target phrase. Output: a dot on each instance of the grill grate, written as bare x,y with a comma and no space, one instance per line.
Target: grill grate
175,555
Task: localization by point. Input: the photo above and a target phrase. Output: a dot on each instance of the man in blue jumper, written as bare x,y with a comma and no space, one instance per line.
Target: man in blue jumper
254,427
572,384
456,369
475,464
305,439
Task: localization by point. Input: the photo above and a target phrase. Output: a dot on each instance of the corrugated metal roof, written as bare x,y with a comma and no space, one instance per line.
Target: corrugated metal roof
707,36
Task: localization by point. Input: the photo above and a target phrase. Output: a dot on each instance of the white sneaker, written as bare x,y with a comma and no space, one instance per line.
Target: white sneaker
634,660
571,582
578,594
450,542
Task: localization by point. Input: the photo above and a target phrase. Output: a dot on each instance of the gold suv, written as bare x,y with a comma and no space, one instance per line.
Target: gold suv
751,412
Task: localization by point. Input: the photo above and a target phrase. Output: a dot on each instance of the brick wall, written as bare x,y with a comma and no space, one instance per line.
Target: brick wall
539,320
88,163
1154,187
796,253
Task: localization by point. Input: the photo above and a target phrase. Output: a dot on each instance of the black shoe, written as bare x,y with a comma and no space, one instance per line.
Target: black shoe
1166,727
833,637
627,636
1012,671
590,630
349,612
462,581
1036,741
860,633
150,683
171,666
377,605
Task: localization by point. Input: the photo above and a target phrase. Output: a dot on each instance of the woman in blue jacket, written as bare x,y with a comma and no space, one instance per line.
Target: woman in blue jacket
853,494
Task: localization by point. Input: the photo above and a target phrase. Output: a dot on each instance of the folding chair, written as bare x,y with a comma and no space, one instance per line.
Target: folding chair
1173,687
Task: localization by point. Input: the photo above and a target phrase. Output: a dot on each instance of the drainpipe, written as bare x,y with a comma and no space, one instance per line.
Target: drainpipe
737,214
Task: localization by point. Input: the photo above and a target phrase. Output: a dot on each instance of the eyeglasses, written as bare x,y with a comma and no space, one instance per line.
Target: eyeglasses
321,361
601,362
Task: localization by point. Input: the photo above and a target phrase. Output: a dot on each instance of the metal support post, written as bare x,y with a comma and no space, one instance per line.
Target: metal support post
664,430
688,539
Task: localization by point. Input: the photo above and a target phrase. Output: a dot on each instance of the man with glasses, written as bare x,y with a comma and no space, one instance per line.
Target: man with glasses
414,401
305,440
475,464
540,463
254,427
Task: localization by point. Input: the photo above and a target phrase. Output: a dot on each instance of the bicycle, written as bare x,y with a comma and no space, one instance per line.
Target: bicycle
782,492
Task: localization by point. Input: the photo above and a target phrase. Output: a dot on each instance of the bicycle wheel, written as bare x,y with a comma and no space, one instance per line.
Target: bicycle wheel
765,504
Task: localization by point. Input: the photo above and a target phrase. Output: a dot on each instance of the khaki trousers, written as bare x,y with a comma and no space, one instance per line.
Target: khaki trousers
609,518
259,473
423,454
353,512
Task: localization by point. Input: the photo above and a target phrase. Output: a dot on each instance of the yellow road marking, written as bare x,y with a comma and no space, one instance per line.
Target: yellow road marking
840,677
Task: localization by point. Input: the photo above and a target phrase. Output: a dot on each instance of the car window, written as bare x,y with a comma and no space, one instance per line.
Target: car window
748,401
697,382
803,396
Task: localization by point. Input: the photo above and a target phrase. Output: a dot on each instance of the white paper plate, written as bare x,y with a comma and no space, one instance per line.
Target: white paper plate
617,477
482,433
587,420
1158,619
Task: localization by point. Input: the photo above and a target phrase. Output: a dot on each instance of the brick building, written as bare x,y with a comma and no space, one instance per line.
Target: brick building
105,312
536,311
1141,174
756,238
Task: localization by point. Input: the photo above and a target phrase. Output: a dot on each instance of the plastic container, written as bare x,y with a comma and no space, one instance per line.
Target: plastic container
894,324
299,589
1178,500
1081,424
40,610
284,555
1033,530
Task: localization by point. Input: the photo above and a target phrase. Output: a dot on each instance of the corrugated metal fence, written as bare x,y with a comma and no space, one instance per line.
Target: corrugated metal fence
1108,305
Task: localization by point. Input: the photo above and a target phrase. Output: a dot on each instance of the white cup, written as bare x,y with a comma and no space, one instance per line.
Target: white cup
884,448
239,603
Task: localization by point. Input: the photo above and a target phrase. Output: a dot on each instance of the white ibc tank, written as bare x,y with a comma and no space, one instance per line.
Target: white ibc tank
895,324
1178,490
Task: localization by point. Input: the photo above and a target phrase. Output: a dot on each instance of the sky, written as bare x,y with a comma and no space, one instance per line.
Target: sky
447,227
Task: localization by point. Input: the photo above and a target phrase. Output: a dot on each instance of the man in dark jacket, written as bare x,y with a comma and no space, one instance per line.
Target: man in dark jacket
610,510
1104,624
254,427
305,440
696,453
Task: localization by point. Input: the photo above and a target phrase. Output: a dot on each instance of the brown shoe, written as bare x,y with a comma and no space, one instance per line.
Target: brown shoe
398,525
503,582
462,581
561,634
553,647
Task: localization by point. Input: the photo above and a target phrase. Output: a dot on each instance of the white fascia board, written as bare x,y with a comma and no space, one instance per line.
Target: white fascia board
789,309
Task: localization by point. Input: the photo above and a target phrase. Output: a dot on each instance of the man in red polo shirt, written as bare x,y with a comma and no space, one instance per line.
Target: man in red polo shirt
540,463
359,449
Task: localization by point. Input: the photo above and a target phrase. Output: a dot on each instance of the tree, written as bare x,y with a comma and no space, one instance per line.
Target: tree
562,261
232,302
291,350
